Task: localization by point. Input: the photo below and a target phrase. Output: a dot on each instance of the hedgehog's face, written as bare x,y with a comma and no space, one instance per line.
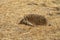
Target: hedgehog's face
26,22
23,21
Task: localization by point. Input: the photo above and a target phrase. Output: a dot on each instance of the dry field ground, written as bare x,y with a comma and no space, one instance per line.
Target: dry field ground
12,11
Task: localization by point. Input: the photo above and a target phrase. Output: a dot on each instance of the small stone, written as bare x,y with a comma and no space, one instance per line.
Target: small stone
49,25
43,4
50,14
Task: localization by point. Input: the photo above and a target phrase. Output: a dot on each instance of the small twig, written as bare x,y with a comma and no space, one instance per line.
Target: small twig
32,4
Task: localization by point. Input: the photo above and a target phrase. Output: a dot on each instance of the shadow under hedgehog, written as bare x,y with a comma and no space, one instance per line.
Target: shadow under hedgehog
33,20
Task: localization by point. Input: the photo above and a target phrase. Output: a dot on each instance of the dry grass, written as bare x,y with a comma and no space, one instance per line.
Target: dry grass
12,11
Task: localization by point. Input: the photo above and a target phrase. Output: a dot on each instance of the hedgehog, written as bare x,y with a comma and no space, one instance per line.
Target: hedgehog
33,19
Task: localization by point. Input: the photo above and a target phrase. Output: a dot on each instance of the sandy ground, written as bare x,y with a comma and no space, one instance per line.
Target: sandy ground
12,11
